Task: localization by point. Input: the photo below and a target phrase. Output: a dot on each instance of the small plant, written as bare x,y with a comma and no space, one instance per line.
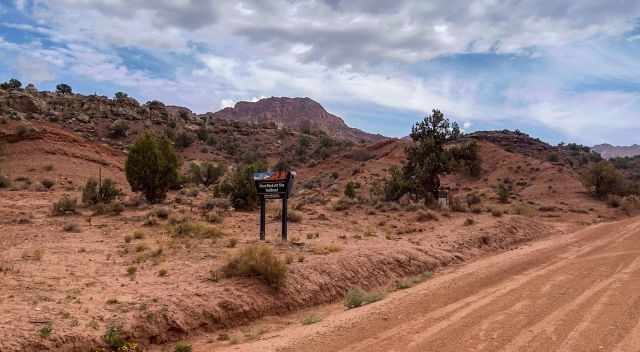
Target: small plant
197,229
4,182
132,270
257,260
357,297
233,242
64,206
128,238
183,347
496,213
503,193
94,193
469,222
113,339
312,319
215,217
71,227
294,216
162,272
350,190
46,330
138,235
162,213
48,184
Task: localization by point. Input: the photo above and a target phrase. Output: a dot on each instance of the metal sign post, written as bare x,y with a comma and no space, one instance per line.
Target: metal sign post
274,185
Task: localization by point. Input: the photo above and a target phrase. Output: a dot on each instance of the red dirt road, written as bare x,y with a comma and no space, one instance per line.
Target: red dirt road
579,292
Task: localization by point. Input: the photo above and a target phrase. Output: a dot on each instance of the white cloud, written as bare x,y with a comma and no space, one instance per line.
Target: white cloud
355,53
33,69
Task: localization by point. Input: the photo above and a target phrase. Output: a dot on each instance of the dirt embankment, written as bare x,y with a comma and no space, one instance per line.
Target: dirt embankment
208,306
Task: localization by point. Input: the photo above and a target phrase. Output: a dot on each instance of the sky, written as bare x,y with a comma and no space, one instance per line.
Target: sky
559,70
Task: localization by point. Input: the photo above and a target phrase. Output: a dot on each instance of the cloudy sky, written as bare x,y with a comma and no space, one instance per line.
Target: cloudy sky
558,69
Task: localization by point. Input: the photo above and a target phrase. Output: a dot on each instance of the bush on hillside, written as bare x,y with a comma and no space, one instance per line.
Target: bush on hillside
466,158
257,260
63,88
396,185
503,193
11,84
92,193
152,167
207,173
604,179
350,190
240,187
184,139
66,205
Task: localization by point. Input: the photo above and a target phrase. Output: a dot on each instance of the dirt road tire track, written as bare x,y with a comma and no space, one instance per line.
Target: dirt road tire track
579,292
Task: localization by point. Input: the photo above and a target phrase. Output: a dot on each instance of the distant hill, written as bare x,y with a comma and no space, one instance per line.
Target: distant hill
296,113
609,151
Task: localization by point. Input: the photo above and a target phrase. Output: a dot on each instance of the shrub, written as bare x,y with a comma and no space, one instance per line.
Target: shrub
553,157
217,203
65,205
11,84
466,158
503,193
47,183
197,229
614,201
4,182
473,199
350,190
119,128
63,88
152,167
312,319
395,186
257,260
182,347
357,297
24,131
92,193
292,215
604,179
469,222
46,330
342,204
241,188
113,339
207,173
184,139
71,227
215,217
496,212
162,213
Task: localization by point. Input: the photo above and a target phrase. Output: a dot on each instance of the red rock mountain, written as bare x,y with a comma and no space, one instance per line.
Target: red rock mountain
609,151
295,113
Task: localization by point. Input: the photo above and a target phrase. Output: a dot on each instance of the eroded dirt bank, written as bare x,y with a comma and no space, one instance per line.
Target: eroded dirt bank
204,306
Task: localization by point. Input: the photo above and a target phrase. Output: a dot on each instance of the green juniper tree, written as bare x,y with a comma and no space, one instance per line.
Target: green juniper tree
426,157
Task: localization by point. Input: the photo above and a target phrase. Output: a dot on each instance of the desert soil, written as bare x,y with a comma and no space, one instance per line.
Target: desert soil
579,292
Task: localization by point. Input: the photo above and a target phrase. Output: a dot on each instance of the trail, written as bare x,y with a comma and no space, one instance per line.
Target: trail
579,292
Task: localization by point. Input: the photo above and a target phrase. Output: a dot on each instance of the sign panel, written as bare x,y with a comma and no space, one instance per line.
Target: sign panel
274,184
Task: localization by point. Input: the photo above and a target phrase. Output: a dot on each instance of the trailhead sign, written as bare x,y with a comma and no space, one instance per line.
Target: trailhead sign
274,185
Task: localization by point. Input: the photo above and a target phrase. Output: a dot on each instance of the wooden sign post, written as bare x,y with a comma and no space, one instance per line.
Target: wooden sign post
274,185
